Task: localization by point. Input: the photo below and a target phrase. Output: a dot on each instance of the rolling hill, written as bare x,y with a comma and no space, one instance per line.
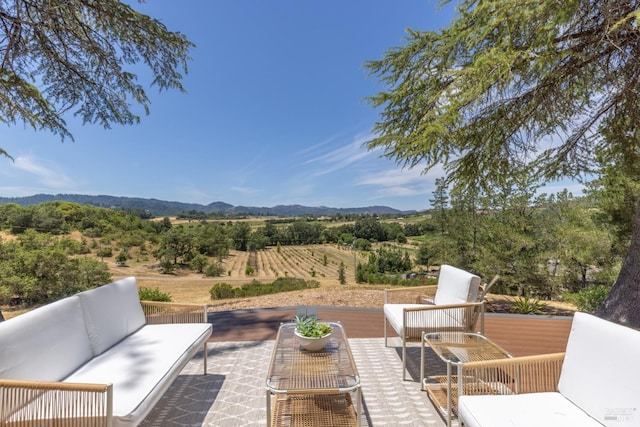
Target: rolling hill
167,208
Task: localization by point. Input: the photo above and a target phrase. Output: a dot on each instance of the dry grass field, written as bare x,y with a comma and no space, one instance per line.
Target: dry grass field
310,262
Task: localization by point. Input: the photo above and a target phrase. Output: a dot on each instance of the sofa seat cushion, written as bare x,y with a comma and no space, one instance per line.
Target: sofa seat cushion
45,344
522,410
433,320
111,313
142,366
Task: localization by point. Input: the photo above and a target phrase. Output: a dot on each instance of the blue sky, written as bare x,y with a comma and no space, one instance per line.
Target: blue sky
274,113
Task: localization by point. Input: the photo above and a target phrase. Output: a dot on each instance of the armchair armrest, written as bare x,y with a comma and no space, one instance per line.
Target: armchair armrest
461,317
409,295
39,402
169,312
527,374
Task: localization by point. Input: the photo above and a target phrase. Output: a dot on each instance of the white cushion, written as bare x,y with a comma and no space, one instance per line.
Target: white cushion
44,344
142,366
601,370
111,312
456,286
418,321
523,410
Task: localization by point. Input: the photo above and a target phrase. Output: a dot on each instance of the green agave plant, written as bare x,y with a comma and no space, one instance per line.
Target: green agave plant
308,326
526,305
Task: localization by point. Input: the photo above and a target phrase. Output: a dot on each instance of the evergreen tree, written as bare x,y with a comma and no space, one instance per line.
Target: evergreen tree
519,86
342,277
79,55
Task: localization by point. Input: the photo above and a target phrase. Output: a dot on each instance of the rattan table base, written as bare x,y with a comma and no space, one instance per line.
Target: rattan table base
303,410
437,390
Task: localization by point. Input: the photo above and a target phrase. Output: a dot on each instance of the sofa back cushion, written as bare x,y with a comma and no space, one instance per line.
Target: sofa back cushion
45,344
456,286
601,373
111,312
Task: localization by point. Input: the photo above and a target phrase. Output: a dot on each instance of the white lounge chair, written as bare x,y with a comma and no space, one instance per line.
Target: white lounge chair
452,305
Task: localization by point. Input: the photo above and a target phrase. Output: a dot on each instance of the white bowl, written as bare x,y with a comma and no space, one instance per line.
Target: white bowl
312,344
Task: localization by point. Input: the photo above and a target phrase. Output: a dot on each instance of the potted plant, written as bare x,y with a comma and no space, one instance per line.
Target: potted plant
312,334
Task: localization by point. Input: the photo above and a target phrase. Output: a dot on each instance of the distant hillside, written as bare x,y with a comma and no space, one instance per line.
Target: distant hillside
166,208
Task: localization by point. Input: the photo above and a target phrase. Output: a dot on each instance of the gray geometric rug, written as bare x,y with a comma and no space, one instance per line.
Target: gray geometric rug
233,393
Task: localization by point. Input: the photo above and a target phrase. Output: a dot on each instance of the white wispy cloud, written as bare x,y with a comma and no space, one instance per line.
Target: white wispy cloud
47,176
341,157
247,191
195,195
392,177
399,182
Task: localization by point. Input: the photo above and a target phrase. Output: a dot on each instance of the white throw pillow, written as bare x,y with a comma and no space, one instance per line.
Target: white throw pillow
456,286
45,344
112,312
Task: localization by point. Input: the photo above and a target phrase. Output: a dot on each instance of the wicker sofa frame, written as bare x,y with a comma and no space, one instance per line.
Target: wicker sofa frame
28,402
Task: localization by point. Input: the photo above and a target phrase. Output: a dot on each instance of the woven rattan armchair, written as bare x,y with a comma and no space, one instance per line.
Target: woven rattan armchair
517,375
593,383
449,306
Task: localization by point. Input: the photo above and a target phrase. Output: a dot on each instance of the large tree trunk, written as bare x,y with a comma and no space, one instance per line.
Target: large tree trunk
622,305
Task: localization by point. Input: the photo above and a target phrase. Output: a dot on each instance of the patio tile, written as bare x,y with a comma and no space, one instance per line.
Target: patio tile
233,394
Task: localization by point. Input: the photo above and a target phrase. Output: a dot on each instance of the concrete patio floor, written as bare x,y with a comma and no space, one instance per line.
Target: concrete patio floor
233,392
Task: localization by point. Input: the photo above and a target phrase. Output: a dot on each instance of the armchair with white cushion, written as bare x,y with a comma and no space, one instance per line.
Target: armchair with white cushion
450,306
595,382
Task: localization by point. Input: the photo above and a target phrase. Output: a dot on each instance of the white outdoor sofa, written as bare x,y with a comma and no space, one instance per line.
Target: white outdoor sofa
96,358
451,305
595,382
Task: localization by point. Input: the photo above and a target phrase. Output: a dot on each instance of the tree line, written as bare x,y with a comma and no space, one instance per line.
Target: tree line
43,263
541,245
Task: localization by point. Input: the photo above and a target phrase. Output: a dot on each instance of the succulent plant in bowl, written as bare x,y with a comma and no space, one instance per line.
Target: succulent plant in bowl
312,334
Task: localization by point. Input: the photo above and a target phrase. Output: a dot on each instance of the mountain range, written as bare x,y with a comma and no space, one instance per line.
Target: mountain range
167,208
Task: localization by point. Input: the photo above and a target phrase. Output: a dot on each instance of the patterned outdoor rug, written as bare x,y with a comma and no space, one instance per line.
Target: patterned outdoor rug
233,393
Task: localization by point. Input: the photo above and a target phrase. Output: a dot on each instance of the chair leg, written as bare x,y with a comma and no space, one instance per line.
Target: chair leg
384,325
404,359
204,356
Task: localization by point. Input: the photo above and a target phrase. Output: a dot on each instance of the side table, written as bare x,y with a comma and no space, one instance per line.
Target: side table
455,349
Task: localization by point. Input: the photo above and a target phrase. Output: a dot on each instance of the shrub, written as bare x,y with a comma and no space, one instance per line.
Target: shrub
122,257
105,252
148,294
526,305
214,269
199,263
221,291
255,288
590,298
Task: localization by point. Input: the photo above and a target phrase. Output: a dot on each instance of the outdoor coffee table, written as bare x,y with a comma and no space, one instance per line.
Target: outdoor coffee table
312,388
455,349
